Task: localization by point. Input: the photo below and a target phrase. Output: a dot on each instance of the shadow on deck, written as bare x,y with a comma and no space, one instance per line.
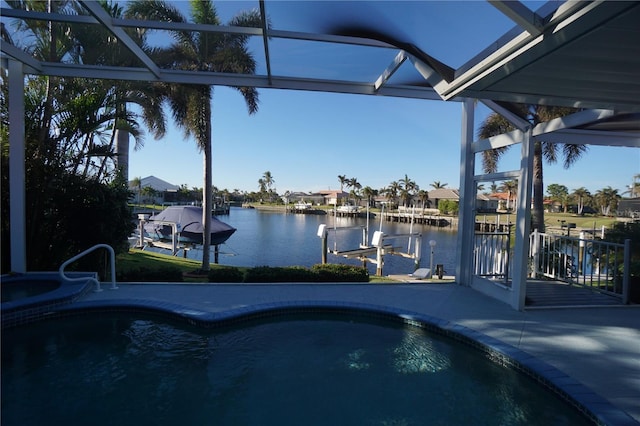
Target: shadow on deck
555,294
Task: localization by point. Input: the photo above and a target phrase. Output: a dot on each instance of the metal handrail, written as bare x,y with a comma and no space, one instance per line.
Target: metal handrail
97,282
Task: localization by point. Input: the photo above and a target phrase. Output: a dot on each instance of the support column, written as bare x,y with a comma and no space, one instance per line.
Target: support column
466,217
17,210
523,223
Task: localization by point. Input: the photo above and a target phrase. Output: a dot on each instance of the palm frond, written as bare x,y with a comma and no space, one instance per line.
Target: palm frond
572,153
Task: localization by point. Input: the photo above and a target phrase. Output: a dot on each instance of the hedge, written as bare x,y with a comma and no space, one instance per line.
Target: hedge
317,273
144,274
225,274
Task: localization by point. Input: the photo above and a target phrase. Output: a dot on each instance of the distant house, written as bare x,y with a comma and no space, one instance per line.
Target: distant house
486,203
333,196
163,191
315,199
629,207
440,194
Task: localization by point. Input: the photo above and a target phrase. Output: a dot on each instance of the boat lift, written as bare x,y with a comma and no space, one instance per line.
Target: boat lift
174,246
379,245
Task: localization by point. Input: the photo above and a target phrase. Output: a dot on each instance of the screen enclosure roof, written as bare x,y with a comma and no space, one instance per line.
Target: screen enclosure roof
578,53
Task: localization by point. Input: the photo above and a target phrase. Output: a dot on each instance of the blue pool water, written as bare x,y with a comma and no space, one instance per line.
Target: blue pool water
106,369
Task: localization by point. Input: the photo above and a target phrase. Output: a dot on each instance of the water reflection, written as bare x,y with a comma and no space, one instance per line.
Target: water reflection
278,239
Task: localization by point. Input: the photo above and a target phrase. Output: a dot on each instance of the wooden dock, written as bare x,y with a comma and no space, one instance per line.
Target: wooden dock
421,219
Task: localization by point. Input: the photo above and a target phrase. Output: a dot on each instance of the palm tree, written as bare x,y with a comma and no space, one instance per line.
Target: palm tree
190,103
343,180
392,191
495,124
510,187
634,188
607,199
355,185
149,193
369,193
137,183
268,180
423,196
262,186
581,194
437,185
407,188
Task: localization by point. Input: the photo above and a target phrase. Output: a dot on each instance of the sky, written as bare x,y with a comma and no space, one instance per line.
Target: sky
306,139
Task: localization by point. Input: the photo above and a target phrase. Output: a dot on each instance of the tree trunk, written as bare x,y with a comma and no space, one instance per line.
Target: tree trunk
207,196
122,152
537,216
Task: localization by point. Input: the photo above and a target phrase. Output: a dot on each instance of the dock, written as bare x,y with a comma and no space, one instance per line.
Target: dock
421,219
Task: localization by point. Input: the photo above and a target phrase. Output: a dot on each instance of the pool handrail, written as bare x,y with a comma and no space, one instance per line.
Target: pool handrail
96,281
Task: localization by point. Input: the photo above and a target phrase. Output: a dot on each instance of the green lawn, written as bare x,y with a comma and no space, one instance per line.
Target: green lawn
587,222
136,259
554,220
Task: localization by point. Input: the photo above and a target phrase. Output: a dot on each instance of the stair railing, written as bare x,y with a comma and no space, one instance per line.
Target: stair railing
96,281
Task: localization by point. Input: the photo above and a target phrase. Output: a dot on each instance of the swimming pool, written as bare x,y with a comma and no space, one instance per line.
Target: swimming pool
26,297
17,290
289,369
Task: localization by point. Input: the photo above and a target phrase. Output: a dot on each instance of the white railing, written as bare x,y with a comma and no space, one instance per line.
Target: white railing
96,281
491,255
589,262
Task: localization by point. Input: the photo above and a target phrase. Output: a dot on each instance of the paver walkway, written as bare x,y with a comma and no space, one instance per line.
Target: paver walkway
599,347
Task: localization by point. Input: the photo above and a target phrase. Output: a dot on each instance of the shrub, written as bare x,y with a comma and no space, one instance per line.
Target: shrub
145,274
340,273
226,274
317,273
268,274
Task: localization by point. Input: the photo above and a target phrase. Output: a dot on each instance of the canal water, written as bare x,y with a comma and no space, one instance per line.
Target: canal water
265,238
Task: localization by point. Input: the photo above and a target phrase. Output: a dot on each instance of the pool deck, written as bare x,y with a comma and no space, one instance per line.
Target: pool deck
599,347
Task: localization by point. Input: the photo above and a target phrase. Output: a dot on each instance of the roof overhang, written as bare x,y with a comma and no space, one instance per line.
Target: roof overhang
586,55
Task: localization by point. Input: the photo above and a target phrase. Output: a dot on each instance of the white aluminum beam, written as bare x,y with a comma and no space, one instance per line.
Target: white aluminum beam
491,177
500,141
594,137
560,130
21,55
429,74
105,19
552,100
8,12
466,220
573,120
519,122
523,224
392,68
521,15
265,38
234,80
17,205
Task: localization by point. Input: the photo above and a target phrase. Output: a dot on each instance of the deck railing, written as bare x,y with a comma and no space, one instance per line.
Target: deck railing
589,262
491,255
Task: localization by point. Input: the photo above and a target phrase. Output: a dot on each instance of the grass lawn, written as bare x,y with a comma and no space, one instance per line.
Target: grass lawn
554,220
585,222
136,259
